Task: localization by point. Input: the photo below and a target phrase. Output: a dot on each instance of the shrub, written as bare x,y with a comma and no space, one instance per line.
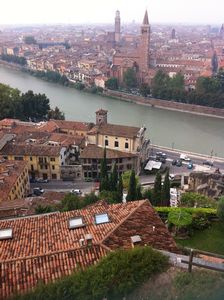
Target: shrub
115,276
220,209
199,221
211,213
191,199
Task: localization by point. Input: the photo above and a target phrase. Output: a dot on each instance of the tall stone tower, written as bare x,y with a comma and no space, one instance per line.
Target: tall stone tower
101,117
144,45
117,27
221,32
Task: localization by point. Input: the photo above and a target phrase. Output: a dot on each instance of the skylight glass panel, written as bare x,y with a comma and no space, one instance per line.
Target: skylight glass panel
101,218
5,234
76,222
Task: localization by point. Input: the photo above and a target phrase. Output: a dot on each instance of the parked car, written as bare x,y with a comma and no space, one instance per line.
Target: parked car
179,163
184,157
208,163
41,180
190,166
88,179
174,162
76,192
37,191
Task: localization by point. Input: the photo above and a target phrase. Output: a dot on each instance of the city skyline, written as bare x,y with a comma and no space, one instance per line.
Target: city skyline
69,12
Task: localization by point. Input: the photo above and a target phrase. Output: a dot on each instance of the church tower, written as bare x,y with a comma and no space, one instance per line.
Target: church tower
144,45
117,27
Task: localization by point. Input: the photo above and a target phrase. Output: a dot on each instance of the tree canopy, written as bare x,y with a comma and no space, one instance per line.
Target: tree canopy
130,78
26,106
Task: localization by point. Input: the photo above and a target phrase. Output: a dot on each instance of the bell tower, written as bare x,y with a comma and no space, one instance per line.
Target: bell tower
117,27
144,44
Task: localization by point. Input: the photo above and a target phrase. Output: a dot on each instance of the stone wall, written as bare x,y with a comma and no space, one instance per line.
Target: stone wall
172,105
71,172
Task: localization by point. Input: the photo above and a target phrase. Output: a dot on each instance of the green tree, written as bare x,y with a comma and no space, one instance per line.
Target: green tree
160,84
104,182
179,218
139,192
220,209
41,209
35,105
112,83
148,194
191,199
132,193
144,89
56,114
157,190
70,202
120,188
126,179
114,178
165,195
130,78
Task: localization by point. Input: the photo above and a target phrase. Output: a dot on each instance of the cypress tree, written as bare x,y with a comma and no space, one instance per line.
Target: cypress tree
165,197
104,182
157,190
138,192
132,187
120,188
114,178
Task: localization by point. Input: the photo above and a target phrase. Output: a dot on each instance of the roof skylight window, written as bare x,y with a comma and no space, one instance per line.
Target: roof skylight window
76,222
102,218
5,234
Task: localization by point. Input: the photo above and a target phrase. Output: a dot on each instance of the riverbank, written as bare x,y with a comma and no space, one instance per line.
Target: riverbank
11,65
140,100
169,105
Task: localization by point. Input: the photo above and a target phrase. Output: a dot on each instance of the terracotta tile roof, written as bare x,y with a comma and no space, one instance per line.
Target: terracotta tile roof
72,125
9,173
30,150
116,130
44,248
95,152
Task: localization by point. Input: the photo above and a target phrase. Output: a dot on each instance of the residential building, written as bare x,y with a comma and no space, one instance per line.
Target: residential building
43,161
14,180
113,136
47,247
92,155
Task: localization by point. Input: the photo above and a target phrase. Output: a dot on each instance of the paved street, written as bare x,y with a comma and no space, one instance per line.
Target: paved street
87,187
65,186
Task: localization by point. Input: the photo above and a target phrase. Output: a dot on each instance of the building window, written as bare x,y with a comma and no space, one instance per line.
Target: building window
54,176
31,158
126,145
18,158
53,167
52,159
106,143
31,166
116,144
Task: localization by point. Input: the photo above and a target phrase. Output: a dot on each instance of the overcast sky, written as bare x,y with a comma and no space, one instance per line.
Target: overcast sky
102,11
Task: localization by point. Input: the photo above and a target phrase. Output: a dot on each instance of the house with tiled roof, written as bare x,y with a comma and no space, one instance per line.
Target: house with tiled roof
44,161
92,155
114,136
14,180
47,247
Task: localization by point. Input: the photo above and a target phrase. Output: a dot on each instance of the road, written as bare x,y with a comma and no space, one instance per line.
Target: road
65,186
87,187
197,159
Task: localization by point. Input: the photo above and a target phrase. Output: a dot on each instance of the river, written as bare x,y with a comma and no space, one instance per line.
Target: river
180,130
